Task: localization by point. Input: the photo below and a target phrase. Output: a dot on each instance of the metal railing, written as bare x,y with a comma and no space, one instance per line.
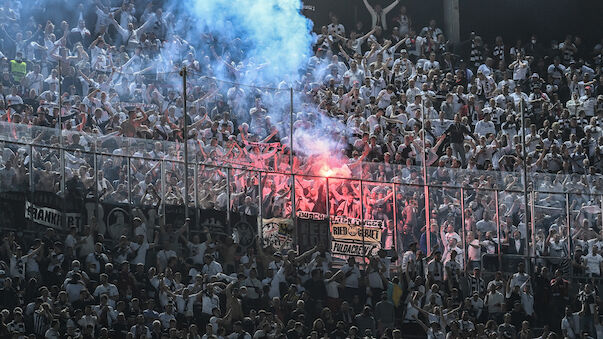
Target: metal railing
124,175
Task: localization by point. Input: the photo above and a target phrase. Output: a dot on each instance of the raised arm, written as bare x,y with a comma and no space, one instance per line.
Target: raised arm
305,254
364,37
119,28
335,276
391,6
369,8
146,25
345,54
385,46
34,252
422,324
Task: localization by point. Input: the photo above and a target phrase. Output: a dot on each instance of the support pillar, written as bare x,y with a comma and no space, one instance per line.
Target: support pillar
452,26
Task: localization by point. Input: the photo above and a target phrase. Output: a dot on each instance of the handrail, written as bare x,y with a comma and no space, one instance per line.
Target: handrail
458,173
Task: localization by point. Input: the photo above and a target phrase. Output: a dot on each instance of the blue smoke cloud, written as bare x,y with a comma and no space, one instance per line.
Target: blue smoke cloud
271,35
270,43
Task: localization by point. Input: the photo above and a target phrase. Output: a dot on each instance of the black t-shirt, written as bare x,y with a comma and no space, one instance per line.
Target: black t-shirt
32,102
292,334
338,334
316,289
9,298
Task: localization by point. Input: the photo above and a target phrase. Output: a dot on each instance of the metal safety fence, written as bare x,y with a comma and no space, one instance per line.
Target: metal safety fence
478,215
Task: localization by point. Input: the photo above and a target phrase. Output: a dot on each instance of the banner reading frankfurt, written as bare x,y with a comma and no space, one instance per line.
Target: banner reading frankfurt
50,217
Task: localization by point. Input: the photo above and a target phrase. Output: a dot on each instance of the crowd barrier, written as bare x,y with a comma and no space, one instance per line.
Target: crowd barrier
60,186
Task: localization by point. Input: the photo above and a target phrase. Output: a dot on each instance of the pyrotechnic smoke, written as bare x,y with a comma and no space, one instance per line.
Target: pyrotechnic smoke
272,40
263,42
271,34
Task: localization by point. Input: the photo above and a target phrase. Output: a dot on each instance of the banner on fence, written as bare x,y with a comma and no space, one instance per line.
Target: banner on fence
312,230
311,215
278,233
215,221
244,228
351,248
19,210
51,217
355,237
350,231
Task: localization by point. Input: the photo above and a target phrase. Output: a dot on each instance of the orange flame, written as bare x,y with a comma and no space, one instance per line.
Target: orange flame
325,171
328,167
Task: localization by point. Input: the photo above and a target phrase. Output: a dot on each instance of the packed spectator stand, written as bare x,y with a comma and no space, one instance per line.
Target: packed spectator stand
428,138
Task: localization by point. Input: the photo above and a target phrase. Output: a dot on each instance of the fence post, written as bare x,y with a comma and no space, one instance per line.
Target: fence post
525,178
129,181
293,207
532,220
261,209
362,220
328,203
228,199
96,196
465,256
395,221
163,191
568,220
31,169
498,243
183,73
62,153
60,117
424,168
196,188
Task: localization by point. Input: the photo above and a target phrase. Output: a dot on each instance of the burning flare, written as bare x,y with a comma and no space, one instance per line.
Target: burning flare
326,166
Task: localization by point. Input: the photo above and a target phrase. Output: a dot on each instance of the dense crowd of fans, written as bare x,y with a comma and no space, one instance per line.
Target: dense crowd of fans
394,91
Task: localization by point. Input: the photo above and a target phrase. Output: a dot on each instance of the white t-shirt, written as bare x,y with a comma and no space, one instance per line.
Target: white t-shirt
518,279
73,291
571,325
411,312
198,251
110,290
435,335
482,128
477,305
520,70
13,99
429,65
165,319
209,302
490,245
593,263
352,279
141,230
374,280
385,98
494,302
333,289
141,252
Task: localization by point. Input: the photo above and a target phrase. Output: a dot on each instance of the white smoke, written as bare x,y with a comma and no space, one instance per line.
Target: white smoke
271,39
269,42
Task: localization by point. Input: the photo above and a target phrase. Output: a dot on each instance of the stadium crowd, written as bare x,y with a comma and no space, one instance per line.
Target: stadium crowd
390,91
